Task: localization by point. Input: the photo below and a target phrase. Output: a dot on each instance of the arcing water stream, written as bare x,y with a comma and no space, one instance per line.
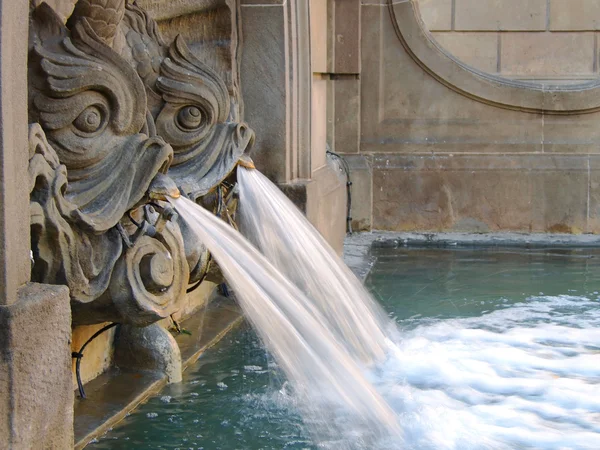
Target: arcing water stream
281,232
524,377
326,380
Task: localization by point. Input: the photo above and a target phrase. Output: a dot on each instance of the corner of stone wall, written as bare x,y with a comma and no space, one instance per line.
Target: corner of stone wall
36,395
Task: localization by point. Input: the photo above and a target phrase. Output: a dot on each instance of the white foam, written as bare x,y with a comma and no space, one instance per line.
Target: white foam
523,377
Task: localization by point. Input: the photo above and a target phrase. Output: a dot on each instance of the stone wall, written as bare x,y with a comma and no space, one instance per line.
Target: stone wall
441,146
521,39
286,84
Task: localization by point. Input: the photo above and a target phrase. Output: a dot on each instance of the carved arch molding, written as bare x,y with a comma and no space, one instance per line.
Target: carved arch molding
484,87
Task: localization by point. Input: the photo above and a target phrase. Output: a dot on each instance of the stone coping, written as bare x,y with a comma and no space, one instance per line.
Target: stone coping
115,393
508,239
484,87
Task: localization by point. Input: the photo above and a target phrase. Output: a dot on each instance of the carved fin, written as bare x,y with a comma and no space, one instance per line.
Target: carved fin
46,25
90,66
185,78
103,16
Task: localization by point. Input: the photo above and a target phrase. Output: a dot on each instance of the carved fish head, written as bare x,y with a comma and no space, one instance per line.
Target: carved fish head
190,105
92,107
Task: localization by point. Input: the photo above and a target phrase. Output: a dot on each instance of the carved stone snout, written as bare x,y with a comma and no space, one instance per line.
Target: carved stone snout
246,161
162,187
244,137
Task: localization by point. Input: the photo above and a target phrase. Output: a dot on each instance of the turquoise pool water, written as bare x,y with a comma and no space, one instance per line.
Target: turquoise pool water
235,397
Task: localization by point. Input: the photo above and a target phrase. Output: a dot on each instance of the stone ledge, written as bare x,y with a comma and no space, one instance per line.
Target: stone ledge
367,240
357,255
111,397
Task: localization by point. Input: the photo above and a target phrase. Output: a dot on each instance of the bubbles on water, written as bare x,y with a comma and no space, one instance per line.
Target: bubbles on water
151,415
222,385
166,399
521,377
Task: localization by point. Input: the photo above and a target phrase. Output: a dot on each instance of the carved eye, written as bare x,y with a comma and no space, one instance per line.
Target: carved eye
90,120
189,117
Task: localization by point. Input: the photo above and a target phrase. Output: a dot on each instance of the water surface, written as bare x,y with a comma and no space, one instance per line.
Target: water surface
499,348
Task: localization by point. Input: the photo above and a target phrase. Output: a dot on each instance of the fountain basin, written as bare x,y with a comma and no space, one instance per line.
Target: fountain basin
235,397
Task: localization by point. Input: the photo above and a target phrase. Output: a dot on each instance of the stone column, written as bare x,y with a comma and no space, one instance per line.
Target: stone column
36,398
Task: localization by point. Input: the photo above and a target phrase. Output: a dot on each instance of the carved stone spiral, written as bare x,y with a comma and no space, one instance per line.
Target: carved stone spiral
150,277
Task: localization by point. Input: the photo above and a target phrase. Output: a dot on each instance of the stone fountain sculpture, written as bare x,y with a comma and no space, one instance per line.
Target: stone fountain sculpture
119,120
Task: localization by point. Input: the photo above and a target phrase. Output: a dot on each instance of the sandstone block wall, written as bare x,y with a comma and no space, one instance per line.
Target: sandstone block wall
522,39
434,147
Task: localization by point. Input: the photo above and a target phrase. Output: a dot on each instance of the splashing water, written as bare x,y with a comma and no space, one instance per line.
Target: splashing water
281,233
327,382
525,377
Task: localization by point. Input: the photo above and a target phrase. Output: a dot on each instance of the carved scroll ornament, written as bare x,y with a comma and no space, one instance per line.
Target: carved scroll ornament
117,114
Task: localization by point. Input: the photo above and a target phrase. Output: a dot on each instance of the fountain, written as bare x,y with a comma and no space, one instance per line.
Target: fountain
119,120
123,126
134,149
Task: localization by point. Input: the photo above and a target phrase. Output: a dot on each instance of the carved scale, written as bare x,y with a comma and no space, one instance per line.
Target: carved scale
118,120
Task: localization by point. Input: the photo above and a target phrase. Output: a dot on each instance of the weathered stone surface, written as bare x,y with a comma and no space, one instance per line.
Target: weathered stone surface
479,50
535,193
547,54
347,36
488,168
213,30
570,15
362,183
319,123
264,77
63,8
436,14
36,395
323,200
504,15
347,117
150,348
161,10
326,206
594,194
116,107
543,93
319,36
263,2
97,355
15,265
404,109
578,133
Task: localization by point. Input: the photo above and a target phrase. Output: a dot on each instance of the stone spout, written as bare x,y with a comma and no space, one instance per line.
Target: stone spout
246,161
162,187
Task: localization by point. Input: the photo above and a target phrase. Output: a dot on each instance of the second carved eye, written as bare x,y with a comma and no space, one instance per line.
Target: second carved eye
90,120
189,118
